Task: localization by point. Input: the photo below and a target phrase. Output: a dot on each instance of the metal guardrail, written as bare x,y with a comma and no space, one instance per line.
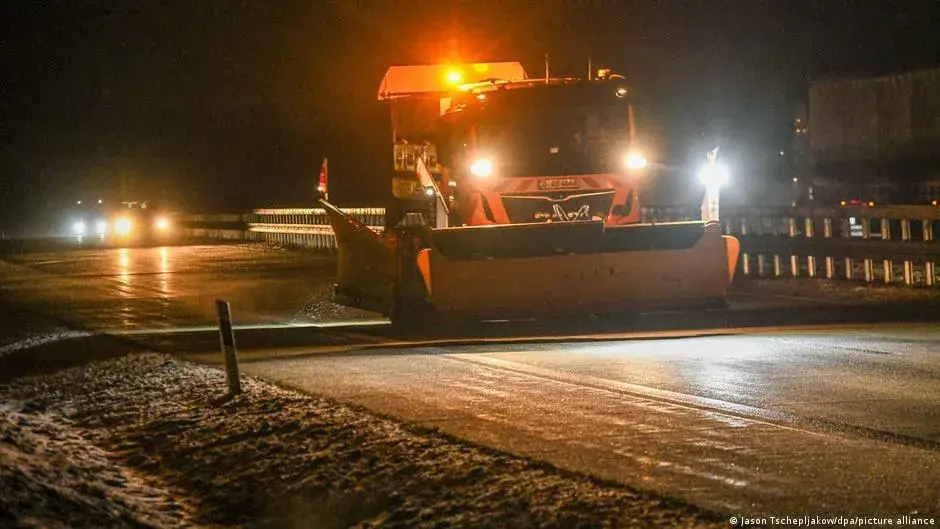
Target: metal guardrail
309,227
887,244
306,227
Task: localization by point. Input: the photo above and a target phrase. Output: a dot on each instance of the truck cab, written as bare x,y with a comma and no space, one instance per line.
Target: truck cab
546,152
516,150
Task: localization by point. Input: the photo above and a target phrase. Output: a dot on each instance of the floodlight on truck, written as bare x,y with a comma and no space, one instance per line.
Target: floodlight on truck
123,226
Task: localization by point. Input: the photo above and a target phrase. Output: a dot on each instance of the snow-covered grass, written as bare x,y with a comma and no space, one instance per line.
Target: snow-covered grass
270,458
52,476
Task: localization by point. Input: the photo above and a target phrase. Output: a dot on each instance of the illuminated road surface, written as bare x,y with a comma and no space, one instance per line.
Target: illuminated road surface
779,423
168,286
843,421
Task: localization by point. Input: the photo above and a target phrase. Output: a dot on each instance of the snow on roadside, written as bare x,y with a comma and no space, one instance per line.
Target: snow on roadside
50,476
22,329
36,339
320,307
277,458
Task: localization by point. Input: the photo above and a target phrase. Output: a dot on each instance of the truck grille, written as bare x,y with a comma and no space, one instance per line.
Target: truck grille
545,207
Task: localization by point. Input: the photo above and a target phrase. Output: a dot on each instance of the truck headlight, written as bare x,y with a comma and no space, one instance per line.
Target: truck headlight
123,226
635,161
101,227
78,227
481,167
162,223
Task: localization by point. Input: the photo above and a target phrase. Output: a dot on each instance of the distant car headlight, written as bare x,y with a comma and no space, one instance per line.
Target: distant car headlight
78,227
635,161
101,227
481,167
123,226
162,223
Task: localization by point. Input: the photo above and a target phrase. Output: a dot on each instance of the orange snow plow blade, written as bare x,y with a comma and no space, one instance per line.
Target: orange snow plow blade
366,268
531,270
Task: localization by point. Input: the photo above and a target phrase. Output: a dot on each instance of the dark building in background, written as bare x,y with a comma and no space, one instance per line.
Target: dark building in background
872,139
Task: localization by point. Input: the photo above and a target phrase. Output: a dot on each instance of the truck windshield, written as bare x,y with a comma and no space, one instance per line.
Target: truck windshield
555,132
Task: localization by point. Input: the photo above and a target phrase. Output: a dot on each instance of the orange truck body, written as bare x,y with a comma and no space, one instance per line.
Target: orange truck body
547,226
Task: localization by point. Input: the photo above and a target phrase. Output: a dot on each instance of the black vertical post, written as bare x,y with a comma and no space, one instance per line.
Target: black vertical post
227,337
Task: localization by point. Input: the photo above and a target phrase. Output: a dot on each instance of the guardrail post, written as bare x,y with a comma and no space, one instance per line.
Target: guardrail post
777,266
887,264
869,265
761,264
745,257
930,268
908,265
794,259
810,259
849,262
888,271
229,354
830,262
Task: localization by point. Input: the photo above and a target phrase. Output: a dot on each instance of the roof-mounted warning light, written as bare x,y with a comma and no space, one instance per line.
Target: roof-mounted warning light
454,76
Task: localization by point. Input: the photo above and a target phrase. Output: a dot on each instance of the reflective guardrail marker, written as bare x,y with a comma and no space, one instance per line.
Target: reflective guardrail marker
227,337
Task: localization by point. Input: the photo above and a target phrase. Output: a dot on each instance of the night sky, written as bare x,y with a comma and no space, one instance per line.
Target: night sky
228,105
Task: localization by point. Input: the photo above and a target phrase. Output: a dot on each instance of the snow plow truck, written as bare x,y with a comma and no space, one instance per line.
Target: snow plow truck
518,197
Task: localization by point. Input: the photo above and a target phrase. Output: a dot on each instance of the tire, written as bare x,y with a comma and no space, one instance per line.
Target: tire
411,317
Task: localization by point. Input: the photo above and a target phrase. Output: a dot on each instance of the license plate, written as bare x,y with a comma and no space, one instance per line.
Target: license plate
551,184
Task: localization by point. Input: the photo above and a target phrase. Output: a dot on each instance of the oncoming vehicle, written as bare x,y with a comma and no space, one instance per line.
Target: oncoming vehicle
140,223
87,218
855,202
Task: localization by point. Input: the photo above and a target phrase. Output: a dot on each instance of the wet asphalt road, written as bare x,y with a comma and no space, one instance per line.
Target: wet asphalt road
786,422
168,287
772,421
